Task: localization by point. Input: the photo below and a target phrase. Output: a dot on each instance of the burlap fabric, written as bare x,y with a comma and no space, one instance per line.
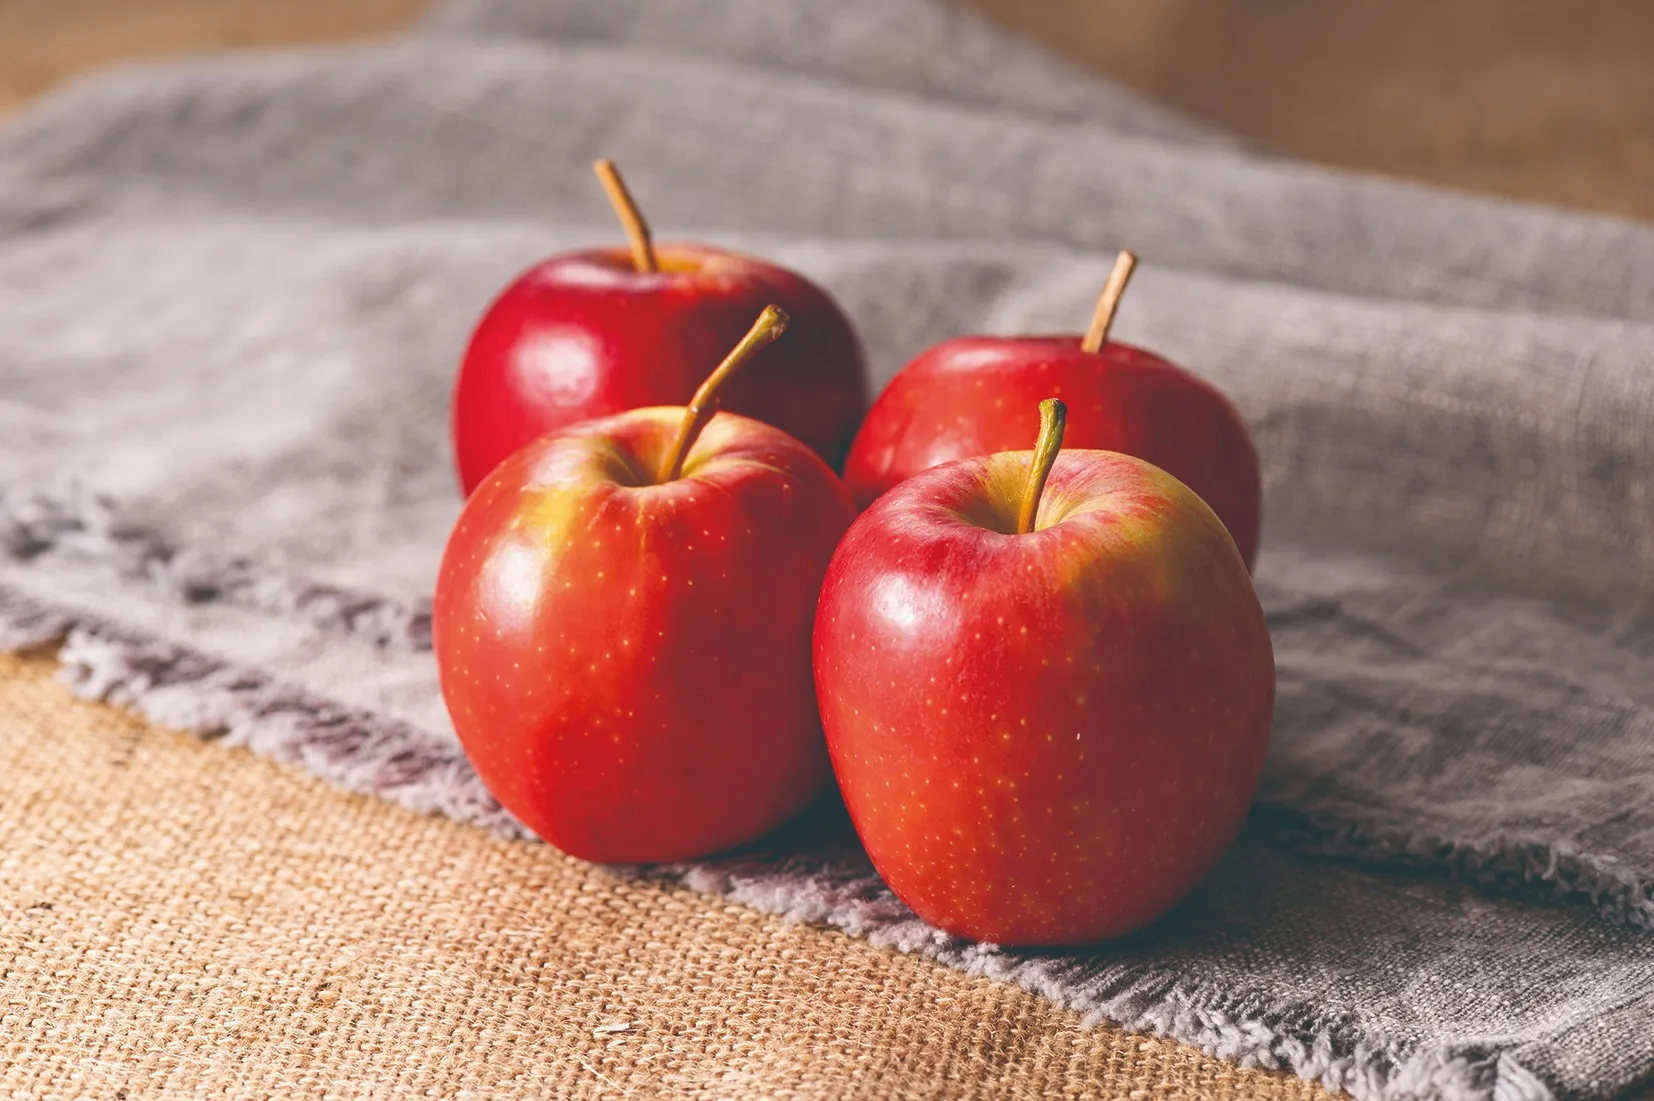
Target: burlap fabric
178,921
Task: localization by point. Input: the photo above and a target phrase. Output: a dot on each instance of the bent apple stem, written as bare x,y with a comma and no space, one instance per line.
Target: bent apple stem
1107,302
770,324
631,219
1053,418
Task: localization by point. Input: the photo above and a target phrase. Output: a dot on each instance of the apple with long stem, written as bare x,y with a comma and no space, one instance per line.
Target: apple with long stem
968,396
599,331
622,627
1047,687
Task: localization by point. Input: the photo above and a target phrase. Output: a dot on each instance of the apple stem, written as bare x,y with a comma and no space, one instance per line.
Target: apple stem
1053,418
1107,302
770,324
631,220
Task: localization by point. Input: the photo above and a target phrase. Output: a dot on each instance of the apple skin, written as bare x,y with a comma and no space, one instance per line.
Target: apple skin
627,664
586,335
1046,739
971,395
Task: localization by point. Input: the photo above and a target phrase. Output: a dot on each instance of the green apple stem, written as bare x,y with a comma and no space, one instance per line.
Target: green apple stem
770,324
1107,302
631,219
1053,418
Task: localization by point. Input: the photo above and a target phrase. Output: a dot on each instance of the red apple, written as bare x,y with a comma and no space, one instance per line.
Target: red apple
596,332
969,396
622,627
1047,703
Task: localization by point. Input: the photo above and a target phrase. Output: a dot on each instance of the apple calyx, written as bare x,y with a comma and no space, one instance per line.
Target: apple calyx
770,324
631,219
1053,418
1109,301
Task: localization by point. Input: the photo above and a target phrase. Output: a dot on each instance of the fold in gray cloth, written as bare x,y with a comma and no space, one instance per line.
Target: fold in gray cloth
235,292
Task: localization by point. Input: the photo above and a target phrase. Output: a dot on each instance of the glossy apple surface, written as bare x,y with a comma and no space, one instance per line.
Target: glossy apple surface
588,335
970,396
1043,739
627,660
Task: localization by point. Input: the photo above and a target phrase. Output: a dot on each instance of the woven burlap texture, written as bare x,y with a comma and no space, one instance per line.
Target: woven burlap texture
176,920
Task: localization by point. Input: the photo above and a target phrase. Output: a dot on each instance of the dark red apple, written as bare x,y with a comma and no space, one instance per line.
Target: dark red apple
1047,702
596,332
622,626
969,396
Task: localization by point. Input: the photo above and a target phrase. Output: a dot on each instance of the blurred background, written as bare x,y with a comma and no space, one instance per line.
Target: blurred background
1535,99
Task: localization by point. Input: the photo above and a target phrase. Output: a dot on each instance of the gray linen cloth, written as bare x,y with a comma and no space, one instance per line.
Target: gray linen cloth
233,293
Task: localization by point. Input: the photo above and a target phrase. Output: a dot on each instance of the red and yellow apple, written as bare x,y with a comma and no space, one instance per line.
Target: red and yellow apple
622,626
600,331
1047,687
969,396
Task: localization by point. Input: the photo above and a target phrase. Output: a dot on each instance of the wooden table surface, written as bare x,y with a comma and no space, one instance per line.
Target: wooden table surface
1529,98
